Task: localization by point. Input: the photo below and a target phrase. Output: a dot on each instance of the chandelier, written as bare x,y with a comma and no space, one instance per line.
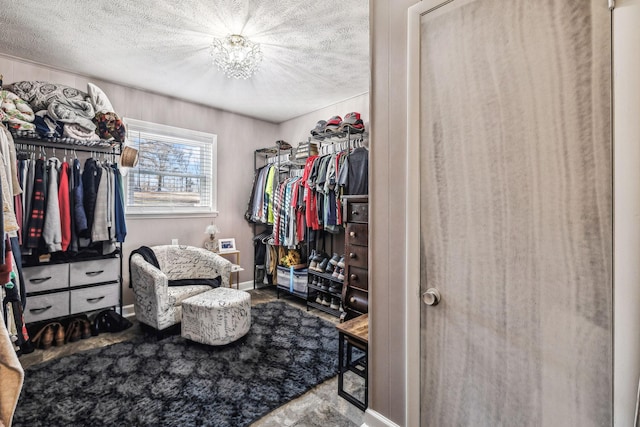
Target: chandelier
236,55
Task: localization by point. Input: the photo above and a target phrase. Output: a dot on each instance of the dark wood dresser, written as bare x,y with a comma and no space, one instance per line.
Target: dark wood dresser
355,292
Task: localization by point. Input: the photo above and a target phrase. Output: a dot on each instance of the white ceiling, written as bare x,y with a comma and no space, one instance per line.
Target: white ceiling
316,53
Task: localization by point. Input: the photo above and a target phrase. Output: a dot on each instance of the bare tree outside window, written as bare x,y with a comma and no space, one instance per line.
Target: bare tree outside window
172,172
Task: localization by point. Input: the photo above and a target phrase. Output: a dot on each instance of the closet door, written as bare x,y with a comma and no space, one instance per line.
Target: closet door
515,213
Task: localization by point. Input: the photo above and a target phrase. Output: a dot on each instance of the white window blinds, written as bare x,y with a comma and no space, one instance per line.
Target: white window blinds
176,170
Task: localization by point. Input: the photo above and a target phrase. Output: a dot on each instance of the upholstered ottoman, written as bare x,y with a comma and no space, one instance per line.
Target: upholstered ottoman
216,317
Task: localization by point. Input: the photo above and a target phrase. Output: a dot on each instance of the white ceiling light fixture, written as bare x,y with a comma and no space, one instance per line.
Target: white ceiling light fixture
236,55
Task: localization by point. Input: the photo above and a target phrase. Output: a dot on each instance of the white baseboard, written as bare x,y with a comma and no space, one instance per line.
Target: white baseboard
374,419
245,286
128,311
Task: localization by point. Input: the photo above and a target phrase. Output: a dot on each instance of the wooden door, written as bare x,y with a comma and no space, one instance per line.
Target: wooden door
516,213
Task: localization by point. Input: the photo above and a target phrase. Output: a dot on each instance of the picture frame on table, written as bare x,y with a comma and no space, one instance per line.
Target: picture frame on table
226,245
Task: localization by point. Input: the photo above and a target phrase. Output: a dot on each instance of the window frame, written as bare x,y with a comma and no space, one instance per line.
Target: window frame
168,133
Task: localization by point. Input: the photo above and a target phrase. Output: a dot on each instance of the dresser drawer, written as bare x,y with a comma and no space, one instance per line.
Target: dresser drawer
357,234
94,298
43,307
356,299
357,212
46,277
96,271
357,256
358,277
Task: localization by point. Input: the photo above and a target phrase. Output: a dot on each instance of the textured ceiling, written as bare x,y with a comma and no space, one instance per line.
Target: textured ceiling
316,53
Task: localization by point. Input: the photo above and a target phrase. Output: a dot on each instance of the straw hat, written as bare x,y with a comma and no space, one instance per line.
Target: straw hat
129,157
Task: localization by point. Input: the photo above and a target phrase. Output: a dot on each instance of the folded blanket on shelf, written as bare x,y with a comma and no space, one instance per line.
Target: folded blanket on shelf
73,111
16,111
46,126
75,131
40,94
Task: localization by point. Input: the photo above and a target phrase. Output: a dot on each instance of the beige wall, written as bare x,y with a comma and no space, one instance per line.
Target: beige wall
298,129
238,136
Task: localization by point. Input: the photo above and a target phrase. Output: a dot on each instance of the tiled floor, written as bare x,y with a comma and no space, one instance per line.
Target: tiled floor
317,407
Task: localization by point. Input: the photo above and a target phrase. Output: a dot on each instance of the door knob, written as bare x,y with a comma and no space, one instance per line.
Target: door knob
431,296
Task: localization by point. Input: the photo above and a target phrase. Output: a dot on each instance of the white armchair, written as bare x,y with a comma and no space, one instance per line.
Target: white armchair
156,303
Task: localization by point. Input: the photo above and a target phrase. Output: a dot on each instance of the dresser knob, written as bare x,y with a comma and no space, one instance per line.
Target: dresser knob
352,234
352,300
354,212
354,277
352,255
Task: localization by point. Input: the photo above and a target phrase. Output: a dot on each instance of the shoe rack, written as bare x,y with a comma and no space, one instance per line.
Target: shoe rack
326,279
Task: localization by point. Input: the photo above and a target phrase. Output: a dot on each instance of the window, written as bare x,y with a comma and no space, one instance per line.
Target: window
176,170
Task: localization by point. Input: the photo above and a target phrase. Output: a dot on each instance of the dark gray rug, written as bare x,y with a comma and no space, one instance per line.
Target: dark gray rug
174,382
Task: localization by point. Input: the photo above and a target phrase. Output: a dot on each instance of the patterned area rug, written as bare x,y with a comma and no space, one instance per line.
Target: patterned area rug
175,382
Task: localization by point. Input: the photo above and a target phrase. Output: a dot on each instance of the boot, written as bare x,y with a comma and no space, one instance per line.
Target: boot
73,331
44,338
59,334
85,327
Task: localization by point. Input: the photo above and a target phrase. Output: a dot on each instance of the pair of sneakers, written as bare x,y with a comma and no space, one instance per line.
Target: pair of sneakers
318,261
336,267
335,288
328,301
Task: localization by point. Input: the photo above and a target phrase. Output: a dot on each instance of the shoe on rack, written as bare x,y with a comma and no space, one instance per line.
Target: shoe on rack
325,285
319,298
341,261
336,288
314,282
330,267
336,272
334,259
312,263
341,274
326,301
335,303
317,260
322,266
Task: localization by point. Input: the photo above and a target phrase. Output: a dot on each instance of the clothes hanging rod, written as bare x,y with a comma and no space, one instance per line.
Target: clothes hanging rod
72,147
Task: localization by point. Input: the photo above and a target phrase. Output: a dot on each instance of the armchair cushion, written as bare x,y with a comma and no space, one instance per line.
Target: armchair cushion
156,303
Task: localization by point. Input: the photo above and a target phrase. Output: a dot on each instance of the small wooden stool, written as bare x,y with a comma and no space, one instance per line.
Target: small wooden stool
354,333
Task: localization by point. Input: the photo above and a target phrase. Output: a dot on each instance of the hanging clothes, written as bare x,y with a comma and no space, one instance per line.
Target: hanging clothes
90,182
120,223
36,217
64,207
51,231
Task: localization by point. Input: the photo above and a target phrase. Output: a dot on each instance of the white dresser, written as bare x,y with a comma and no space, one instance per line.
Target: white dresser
58,290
